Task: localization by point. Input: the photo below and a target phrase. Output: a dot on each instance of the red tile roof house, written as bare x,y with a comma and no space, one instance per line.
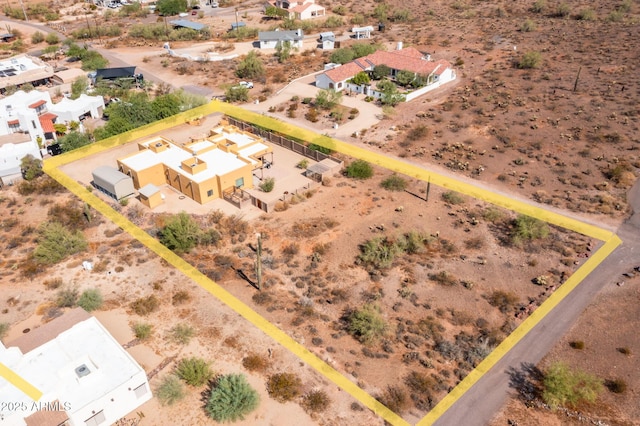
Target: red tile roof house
409,59
298,9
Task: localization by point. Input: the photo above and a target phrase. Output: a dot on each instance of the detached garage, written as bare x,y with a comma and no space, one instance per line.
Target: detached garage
112,182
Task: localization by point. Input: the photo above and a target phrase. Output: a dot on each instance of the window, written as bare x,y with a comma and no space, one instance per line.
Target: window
33,123
96,419
14,127
141,390
240,182
210,193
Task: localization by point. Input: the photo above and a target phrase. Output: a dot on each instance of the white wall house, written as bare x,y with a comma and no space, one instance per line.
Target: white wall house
28,112
13,148
299,9
75,110
85,376
436,73
271,39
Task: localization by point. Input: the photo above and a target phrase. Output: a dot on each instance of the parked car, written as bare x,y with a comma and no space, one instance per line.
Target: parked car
247,84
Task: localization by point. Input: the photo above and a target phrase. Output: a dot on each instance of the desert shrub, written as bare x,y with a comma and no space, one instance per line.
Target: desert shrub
255,362
237,94
616,385
320,148
503,300
180,297
359,169
268,184
563,10
181,233
53,283
170,390
145,305
394,183
303,164
142,330
577,344
4,329
474,243
452,197
538,6
587,14
42,185
367,324
67,298
379,252
284,387
615,16
527,26
529,228
421,387
194,371
565,387
37,37
182,333
231,399
443,278
315,401
530,60
90,299
394,398
492,214
56,242
412,242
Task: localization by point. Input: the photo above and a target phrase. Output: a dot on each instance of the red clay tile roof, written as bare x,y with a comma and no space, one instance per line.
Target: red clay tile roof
47,418
46,121
344,72
443,65
37,104
13,122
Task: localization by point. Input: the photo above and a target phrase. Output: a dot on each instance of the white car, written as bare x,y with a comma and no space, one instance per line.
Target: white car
247,84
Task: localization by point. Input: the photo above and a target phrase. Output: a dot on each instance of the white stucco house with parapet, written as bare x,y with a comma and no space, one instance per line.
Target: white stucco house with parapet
409,59
85,376
298,9
271,39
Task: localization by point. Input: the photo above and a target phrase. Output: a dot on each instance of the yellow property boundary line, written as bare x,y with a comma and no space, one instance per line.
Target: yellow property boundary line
611,242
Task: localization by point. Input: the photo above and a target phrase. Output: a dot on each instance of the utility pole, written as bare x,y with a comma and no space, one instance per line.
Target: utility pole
24,11
259,261
428,189
575,85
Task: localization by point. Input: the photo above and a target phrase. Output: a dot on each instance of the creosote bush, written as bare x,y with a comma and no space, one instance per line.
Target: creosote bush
145,305
565,387
67,298
255,362
394,183
451,197
194,371
57,242
359,169
231,399
182,333
367,324
90,300
315,401
142,330
284,387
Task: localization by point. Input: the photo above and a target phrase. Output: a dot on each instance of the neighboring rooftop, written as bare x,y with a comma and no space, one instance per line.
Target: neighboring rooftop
21,69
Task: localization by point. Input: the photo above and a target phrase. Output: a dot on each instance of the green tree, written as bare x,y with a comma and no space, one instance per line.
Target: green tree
90,300
390,94
237,94
380,71
194,371
73,140
405,78
361,78
366,324
171,7
231,399
566,387
165,106
359,169
271,12
283,50
55,242
250,67
78,87
328,98
341,56
181,233
31,167
364,49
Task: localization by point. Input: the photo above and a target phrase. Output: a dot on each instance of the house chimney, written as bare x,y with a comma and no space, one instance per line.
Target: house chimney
399,46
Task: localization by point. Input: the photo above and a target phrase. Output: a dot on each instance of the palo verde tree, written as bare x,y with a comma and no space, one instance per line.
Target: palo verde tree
171,7
181,233
328,98
31,167
566,387
231,399
250,67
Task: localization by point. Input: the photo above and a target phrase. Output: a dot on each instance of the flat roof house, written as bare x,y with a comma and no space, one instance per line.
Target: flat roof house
22,69
85,376
203,170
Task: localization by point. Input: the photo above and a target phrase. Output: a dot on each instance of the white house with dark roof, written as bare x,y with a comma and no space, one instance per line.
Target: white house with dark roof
298,9
409,59
85,376
24,69
271,39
